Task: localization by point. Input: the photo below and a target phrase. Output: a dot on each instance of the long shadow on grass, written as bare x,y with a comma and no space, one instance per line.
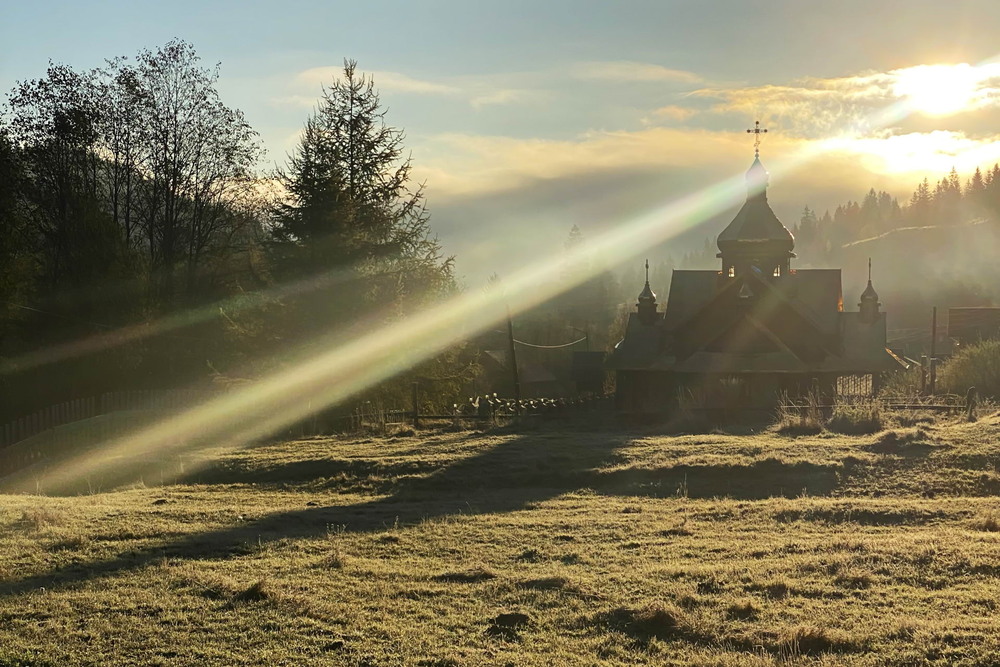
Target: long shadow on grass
507,477
511,476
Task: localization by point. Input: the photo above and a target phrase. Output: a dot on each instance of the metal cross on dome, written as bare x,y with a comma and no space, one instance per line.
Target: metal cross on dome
756,131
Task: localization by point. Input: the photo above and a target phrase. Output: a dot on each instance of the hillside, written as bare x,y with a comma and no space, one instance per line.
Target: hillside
539,547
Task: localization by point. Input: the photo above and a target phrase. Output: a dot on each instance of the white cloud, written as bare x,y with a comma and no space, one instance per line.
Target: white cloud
865,103
675,113
930,152
384,81
501,96
625,70
462,165
477,92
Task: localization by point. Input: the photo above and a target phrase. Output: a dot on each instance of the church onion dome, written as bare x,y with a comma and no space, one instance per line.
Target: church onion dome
647,295
756,225
869,300
869,295
647,302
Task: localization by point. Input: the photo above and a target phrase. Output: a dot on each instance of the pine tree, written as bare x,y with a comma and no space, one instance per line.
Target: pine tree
348,209
805,232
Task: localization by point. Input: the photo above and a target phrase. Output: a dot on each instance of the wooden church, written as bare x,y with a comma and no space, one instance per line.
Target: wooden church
752,331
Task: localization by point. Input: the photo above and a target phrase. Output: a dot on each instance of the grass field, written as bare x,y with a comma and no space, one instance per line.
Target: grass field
546,546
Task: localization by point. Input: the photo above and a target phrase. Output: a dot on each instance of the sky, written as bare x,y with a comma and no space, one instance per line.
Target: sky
525,118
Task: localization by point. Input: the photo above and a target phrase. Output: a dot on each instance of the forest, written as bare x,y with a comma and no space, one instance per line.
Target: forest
145,246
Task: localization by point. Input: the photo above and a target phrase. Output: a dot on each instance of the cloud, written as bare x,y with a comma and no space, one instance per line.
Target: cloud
457,165
675,113
934,152
477,92
857,105
629,71
384,80
499,96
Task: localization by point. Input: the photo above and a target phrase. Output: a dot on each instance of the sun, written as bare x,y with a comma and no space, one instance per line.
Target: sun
938,90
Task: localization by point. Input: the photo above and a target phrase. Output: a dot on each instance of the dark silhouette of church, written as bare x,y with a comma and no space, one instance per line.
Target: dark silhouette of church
751,332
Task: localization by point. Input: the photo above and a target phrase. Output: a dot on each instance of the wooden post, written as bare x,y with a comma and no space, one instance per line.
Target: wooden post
933,358
513,365
416,405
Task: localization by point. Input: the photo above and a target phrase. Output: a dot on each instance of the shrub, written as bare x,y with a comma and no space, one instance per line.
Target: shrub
805,419
976,365
903,384
857,418
690,416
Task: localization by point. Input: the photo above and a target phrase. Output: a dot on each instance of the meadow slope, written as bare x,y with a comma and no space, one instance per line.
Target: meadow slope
534,547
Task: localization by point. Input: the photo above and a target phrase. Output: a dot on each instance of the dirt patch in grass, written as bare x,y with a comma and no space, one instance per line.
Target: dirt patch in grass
473,576
814,640
663,622
865,517
854,580
508,625
742,610
988,524
677,531
255,592
904,442
776,589
547,584
794,426
530,556
69,543
764,478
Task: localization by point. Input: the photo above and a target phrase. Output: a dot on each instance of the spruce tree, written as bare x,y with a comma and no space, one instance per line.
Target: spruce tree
348,212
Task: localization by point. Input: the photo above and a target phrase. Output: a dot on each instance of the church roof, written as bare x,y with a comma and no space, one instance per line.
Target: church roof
813,292
756,223
640,347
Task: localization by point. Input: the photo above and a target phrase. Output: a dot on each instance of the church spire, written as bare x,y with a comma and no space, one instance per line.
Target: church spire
869,304
647,302
757,176
756,239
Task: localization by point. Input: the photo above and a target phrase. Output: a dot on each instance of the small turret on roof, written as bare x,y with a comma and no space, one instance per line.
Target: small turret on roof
647,301
869,305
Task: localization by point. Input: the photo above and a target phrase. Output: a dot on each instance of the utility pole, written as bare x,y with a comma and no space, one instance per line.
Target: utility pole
933,359
513,364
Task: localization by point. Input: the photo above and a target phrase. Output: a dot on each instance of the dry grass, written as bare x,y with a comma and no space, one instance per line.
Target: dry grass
857,418
541,548
806,419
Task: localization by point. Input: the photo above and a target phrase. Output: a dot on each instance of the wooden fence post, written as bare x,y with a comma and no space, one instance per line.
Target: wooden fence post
416,405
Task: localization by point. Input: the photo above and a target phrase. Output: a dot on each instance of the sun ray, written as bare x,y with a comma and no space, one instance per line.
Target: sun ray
171,325
345,369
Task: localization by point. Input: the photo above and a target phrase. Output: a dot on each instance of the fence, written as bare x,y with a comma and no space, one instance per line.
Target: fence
493,410
95,406
951,403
